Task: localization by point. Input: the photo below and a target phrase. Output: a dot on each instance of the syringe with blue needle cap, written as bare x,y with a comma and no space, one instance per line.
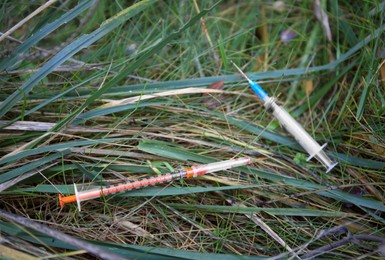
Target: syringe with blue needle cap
291,125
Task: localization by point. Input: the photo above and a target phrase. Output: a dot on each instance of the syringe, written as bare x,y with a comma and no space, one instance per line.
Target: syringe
292,126
188,172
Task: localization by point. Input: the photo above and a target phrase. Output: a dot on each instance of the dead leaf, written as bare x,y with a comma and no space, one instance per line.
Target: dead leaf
376,145
279,6
323,18
361,178
358,191
261,31
133,228
308,86
210,102
216,85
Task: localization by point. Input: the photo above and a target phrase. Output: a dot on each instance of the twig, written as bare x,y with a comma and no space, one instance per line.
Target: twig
356,239
92,249
207,232
264,227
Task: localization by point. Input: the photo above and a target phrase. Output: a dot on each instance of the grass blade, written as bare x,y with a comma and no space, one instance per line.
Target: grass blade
165,150
304,212
30,166
126,250
42,32
148,192
56,234
82,42
56,147
323,190
122,74
149,88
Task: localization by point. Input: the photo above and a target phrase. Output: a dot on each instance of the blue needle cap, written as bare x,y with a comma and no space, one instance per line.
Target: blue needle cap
257,88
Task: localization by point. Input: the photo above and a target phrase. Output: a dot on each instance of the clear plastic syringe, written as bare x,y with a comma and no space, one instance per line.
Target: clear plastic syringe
189,172
292,126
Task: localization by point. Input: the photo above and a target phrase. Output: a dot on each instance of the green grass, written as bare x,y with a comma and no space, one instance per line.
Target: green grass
77,106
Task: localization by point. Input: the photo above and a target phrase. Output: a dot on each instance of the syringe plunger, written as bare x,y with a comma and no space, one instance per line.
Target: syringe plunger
301,136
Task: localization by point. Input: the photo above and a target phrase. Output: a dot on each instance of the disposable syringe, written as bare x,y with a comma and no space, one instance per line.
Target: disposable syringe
291,125
188,172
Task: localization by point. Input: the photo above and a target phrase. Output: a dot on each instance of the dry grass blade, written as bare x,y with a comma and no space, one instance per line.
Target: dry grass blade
95,250
70,50
323,18
45,126
185,91
10,253
12,182
258,221
26,19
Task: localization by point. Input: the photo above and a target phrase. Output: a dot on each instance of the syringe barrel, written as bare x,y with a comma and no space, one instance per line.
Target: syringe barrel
301,136
195,171
127,186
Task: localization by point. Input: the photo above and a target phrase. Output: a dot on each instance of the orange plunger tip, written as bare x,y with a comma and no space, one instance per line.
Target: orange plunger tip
64,200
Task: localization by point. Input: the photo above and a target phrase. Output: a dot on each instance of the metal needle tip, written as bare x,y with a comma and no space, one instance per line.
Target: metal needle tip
242,73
